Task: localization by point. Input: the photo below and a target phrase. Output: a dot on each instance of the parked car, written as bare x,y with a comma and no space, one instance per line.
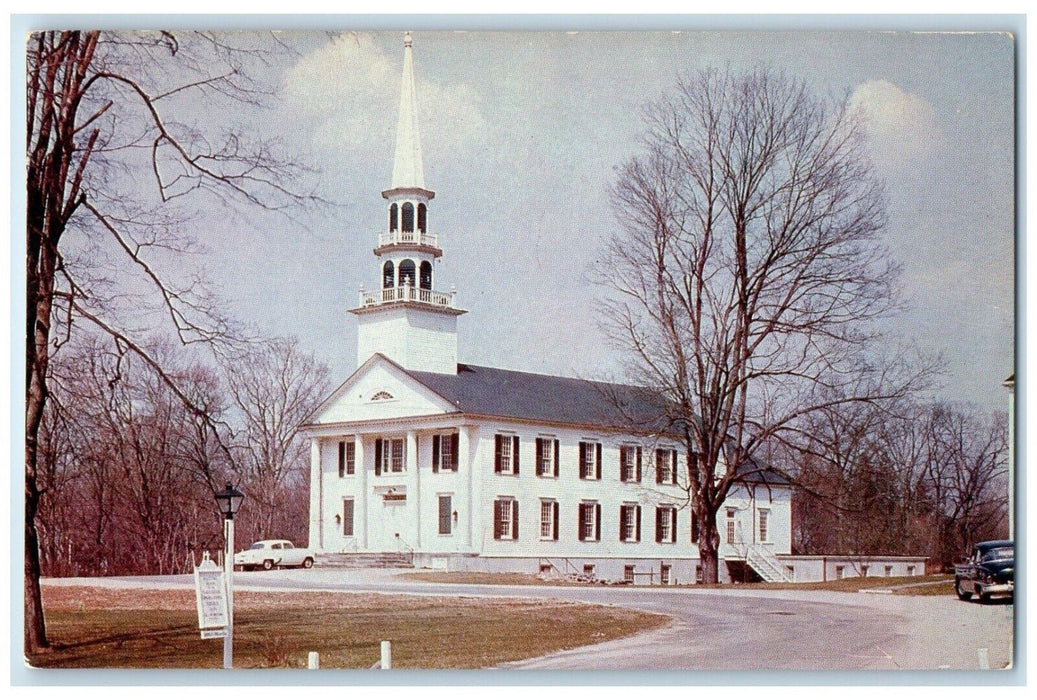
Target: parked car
266,554
990,571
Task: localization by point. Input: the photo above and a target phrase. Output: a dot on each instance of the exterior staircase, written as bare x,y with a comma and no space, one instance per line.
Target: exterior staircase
768,566
373,560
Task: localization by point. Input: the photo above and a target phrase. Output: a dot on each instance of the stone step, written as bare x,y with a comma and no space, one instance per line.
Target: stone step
365,560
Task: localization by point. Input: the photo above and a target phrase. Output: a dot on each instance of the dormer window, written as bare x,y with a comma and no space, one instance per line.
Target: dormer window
408,217
382,396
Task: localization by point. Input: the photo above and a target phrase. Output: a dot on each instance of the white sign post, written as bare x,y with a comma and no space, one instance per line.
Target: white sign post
211,597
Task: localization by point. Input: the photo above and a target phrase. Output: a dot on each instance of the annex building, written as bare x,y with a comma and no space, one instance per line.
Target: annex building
463,467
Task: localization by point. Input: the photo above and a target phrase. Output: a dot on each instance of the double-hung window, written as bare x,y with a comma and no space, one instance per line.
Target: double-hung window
505,519
590,521
389,455
630,522
547,456
506,454
548,520
346,458
444,452
666,466
764,517
590,460
630,463
666,524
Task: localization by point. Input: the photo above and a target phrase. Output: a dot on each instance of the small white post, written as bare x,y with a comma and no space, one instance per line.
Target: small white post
313,661
386,656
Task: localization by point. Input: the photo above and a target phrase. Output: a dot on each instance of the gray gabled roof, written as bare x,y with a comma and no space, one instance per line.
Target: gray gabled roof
542,398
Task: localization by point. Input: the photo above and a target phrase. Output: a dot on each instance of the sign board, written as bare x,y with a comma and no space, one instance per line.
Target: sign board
211,597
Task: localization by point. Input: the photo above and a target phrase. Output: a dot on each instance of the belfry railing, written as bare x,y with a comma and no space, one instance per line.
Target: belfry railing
391,295
408,237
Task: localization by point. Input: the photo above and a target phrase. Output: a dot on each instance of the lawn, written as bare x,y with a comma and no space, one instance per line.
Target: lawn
940,584
105,628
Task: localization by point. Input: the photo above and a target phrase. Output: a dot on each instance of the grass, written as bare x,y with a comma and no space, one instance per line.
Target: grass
104,628
940,584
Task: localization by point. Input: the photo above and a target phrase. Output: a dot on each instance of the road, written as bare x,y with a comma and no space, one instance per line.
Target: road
726,629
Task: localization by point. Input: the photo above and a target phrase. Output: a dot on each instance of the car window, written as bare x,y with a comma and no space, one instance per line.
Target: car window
998,554
257,545
276,545
287,545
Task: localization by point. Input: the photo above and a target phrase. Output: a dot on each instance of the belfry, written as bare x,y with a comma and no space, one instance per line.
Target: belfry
406,318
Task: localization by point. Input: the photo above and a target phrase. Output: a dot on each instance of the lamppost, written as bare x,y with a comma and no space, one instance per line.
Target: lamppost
229,500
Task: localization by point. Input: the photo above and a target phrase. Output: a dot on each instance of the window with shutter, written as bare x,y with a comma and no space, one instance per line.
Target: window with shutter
590,460
665,524
506,458
630,522
546,457
590,521
505,519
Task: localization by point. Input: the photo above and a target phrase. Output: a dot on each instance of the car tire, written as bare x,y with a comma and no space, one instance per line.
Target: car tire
963,593
267,564
307,563
984,598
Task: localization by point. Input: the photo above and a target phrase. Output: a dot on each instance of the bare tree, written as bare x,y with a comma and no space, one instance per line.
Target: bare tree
274,386
966,476
113,169
747,272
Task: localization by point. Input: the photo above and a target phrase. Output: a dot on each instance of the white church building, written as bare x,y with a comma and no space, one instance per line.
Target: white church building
463,467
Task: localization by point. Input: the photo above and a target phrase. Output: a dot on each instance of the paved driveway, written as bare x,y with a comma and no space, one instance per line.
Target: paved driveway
727,629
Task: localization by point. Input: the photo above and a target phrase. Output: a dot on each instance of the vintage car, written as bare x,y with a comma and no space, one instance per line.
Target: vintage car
990,571
267,554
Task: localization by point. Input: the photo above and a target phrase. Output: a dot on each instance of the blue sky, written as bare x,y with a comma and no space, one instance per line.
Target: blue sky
521,133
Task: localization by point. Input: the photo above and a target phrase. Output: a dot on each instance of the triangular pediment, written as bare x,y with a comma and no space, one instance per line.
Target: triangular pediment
379,390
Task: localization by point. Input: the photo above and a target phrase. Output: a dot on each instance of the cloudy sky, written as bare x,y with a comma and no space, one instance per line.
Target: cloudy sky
521,134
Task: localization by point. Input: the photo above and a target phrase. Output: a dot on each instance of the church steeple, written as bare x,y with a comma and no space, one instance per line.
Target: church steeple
407,319
407,169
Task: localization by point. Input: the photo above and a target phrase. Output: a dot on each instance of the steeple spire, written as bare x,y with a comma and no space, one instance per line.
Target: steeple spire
407,169
405,318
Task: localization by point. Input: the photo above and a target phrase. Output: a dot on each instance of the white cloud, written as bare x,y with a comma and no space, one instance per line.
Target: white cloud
348,92
901,126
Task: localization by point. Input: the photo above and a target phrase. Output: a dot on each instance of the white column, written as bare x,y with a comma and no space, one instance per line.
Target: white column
475,480
360,505
464,464
316,497
414,475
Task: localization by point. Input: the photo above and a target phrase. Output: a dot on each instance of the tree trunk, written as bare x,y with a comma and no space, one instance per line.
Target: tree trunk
709,544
